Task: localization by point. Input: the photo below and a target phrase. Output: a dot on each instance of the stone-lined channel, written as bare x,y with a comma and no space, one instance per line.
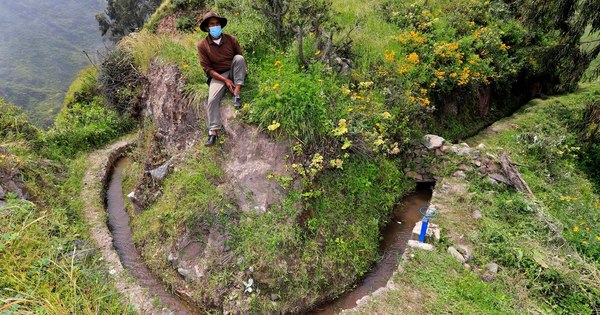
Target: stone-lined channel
118,224
395,238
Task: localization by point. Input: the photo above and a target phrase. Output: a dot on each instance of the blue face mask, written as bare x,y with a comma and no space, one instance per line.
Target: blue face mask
215,31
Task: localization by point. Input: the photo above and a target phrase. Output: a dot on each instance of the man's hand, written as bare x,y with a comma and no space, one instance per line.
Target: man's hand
230,85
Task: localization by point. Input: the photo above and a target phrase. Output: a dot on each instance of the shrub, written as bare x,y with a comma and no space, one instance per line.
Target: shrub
81,127
14,124
186,24
291,102
84,87
119,80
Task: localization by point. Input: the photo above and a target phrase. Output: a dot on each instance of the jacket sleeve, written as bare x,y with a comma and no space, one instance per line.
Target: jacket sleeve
204,60
236,46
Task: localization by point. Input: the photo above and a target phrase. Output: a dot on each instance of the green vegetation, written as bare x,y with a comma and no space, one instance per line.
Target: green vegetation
46,258
355,84
546,246
42,44
47,261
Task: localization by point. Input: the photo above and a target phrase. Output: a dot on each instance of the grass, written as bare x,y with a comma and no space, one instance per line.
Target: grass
546,246
39,275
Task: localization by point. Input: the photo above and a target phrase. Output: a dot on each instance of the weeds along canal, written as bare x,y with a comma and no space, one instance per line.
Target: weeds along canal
118,224
395,238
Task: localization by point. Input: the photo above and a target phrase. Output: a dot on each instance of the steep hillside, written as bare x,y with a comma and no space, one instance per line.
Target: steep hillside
286,211
41,51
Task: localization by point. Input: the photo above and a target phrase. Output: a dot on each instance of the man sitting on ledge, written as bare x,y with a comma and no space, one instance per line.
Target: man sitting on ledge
222,61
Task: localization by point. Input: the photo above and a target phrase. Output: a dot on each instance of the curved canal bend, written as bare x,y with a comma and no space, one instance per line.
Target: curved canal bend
395,237
118,224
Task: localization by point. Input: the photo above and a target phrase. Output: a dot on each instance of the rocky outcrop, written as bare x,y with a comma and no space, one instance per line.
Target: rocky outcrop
176,129
165,104
10,179
251,156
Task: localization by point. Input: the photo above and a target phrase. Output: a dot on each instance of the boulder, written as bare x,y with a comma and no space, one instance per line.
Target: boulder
432,235
456,254
492,268
419,245
432,142
160,172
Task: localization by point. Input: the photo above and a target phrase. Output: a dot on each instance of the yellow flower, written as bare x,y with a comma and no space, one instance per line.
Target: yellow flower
341,129
185,67
277,63
453,75
587,228
266,89
318,52
379,141
337,163
386,115
575,229
413,57
423,91
389,55
598,238
275,86
274,125
583,242
350,109
246,106
347,144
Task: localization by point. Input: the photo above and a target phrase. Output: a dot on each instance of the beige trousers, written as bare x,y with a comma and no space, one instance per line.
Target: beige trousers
217,88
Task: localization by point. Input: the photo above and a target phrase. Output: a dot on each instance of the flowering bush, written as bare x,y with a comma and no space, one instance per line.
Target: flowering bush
291,102
469,46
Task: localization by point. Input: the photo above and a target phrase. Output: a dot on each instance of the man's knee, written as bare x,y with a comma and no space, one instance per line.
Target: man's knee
238,58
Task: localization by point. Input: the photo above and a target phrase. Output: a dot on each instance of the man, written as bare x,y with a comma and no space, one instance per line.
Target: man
222,61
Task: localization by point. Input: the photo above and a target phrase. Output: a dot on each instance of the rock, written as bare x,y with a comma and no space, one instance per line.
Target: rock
187,275
432,234
274,297
467,266
459,174
464,168
476,214
163,98
79,255
160,172
488,277
496,178
465,252
461,149
2,193
419,245
445,148
172,259
3,204
432,141
492,268
456,254
477,163
132,197
480,146
414,175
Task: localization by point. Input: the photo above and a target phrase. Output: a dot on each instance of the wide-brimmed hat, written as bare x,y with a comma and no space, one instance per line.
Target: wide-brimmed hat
207,16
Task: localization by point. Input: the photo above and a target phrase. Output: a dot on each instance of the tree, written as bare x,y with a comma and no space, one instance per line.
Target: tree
122,17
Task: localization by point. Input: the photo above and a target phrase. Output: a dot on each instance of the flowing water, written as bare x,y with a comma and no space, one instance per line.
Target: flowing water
118,223
395,237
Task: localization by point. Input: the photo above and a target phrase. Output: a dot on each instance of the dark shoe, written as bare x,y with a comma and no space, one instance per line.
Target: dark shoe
212,139
237,102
